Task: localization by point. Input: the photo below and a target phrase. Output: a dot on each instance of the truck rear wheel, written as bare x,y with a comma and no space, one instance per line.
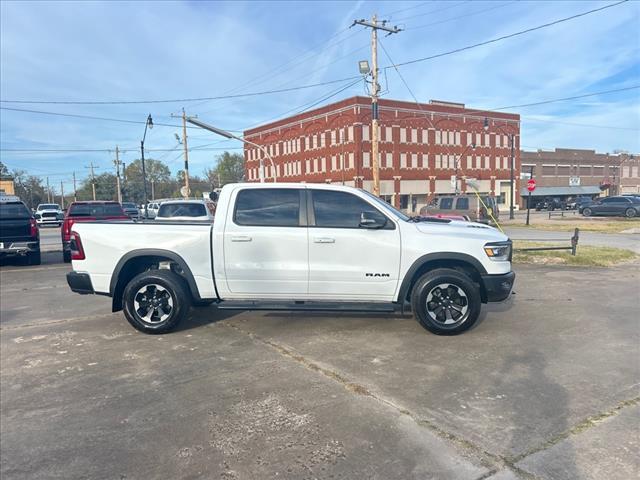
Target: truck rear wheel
446,301
156,301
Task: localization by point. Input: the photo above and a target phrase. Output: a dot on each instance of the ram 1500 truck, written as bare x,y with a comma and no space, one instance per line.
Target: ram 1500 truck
295,247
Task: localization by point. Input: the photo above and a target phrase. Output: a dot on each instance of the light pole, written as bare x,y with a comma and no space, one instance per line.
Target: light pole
512,141
471,146
226,134
149,124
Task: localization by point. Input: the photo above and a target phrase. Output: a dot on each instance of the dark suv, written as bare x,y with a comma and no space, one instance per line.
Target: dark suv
19,234
87,212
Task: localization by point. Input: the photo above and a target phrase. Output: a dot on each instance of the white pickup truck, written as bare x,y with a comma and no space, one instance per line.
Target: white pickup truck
295,247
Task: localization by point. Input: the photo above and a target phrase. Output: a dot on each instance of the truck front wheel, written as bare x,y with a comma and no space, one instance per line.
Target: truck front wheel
446,301
156,301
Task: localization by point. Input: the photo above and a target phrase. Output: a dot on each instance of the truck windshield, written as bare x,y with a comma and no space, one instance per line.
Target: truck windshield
388,208
182,210
14,210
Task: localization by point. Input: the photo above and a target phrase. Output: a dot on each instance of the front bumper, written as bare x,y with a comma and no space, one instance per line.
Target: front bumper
498,287
18,248
80,283
49,221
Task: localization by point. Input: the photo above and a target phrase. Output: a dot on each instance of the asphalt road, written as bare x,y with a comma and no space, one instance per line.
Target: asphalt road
545,387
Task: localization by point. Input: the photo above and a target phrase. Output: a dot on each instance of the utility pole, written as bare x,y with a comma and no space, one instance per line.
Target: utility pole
48,192
186,150
116,162
93,179
62,194
75,192
375,90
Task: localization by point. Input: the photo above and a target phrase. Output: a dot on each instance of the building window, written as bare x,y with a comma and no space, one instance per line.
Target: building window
351,161
389,160
425,161
478,138
469,138
315,165
333,137
564,171
314,141
366,160
323,138
388,134
457,138
403,135
365,133
425,136
403,160
634,172
498,140
486,140
414,160
469,162
548,170
438,161
350,133
438,137
308,166
486,163
334,167
414,135
324,164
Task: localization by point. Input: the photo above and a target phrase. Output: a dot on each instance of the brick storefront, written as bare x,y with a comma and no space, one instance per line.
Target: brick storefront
419,148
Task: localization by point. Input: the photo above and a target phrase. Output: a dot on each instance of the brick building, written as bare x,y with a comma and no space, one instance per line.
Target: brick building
566,172
419,148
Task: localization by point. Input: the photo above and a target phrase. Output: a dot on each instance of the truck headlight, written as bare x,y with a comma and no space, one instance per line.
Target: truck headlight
499,251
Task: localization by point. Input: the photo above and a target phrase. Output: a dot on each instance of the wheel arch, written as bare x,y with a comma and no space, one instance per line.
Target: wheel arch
137,261
454,260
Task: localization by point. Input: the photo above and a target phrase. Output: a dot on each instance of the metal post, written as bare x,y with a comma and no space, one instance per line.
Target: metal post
511,207
117,164
62,194
529,198
144,179
75,192
574,241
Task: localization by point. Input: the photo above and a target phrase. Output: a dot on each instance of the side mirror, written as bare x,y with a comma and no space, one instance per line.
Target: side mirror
372,220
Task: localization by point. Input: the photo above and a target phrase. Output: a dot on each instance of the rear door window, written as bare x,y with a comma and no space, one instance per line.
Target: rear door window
446,203
462,204
341,209
268,207
14,210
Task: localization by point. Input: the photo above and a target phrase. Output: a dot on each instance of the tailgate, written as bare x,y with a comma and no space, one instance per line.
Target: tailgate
15,230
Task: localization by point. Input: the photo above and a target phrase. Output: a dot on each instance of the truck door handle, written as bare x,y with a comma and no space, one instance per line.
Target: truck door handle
241,238
324,240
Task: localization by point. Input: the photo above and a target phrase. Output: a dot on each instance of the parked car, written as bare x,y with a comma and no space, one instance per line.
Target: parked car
49,214
551,203
186,210
152,210
87,212
467,206
578,203
131,209
19,234
293,246
614,206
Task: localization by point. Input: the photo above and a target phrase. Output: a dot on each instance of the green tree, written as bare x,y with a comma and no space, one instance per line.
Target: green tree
229,169
159,181
105,188
29,188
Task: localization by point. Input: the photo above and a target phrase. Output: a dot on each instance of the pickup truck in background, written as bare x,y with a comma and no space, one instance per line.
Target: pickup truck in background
295,247
49,214
19,234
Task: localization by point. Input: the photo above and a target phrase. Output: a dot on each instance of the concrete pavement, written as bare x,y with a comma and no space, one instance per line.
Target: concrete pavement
544,387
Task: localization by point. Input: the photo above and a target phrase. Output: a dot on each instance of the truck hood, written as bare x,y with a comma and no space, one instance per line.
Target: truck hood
457,228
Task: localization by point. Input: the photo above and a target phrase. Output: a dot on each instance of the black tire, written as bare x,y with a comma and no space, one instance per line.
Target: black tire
460,292
66,256
173,300
586,212
630,212
34,258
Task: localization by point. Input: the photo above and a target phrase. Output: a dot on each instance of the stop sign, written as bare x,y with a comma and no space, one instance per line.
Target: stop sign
531,185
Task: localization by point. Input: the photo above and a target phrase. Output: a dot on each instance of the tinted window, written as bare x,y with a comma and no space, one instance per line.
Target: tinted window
341,209
128,205
613,200
14,210
182,210
268,207
96,210
462,204
446,203
48,206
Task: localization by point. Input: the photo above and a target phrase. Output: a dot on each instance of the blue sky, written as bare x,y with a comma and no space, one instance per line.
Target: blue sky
93,51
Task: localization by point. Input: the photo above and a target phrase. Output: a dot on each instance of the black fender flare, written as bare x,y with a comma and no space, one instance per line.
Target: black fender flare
431,257
153,252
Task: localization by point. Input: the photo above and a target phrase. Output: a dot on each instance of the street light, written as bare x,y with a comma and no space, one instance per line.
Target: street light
229,135
512,141
148,124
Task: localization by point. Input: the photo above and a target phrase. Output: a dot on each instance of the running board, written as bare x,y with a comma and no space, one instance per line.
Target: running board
320,306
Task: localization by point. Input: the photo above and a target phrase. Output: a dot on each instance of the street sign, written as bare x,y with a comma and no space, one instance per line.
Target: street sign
574,181
525,175
531,185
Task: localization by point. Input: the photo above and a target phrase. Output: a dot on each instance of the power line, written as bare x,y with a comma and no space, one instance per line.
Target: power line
504,37
449,7
575,97
175,100
471,14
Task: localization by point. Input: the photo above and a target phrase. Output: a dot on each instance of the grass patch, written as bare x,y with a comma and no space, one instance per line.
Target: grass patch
585,225
586,255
